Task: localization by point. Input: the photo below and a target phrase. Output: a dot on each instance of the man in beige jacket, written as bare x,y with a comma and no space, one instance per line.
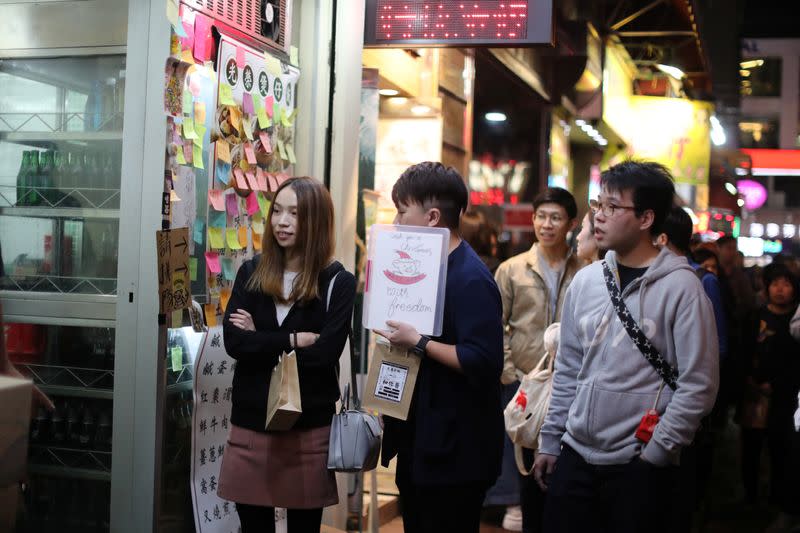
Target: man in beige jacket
532,285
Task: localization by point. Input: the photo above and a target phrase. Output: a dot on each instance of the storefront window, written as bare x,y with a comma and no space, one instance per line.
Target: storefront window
758,133
761,77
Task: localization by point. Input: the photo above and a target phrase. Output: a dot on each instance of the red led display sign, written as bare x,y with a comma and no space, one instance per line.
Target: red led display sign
419,23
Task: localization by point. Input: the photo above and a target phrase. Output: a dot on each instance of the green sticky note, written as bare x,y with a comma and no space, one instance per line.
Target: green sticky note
263,120
188,128
226,94
263,204
215,238
200,130
188,103
216,219
197,156
227,268
294,56
276,111
198,232
177,358
290,153
179,156
193,268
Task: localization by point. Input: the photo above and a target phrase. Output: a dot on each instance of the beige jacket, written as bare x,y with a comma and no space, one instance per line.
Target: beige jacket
526,309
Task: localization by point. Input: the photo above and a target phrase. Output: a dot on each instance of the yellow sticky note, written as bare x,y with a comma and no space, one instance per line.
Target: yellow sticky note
285,119
236,117
172,12
199,112
193,268
273,64
179,155
289,119
224,298
248,129
282,150
177,358
188,128
232,239
215,237
200,130
294,57
243,236
197,156
258,224
226,94
223,150
186,57
263,120
256,242
290,153
173,196
211,314
263,203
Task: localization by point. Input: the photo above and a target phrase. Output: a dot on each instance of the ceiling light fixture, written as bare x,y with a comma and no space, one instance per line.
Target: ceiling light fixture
495,116
388,92
675,72
420,109
398,100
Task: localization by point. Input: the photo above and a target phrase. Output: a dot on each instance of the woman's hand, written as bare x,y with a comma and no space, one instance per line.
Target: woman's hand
243,320
306,339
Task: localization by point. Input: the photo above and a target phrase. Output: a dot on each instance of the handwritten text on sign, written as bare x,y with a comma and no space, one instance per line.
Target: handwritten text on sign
172,250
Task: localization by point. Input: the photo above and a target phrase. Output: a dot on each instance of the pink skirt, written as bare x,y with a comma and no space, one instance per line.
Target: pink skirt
280,469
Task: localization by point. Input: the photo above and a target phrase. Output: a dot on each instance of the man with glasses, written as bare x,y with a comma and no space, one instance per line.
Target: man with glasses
621,409
533,285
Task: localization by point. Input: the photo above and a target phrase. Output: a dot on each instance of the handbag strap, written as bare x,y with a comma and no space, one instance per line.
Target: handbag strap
353,387
667,373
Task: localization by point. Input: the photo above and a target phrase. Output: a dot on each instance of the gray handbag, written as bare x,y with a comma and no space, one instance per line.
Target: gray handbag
355,442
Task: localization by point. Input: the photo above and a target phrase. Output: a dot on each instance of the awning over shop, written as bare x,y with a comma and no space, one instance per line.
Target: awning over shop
767,162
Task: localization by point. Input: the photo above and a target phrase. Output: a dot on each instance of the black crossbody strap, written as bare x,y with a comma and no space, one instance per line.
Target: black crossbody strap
667,373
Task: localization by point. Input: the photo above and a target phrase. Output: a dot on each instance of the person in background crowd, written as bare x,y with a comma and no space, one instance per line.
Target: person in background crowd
279,304
696,459
598,474
450,449
481,236
533,285
587,249
772,383
707,260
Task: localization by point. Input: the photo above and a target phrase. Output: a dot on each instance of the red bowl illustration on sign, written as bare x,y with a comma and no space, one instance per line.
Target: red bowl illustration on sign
403,280
405,270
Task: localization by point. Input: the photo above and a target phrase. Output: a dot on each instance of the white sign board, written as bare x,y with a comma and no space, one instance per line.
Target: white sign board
406,273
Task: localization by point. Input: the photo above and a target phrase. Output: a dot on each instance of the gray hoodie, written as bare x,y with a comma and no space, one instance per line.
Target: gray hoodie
603,385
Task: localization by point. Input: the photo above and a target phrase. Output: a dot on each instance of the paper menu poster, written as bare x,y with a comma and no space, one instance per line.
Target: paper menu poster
406,273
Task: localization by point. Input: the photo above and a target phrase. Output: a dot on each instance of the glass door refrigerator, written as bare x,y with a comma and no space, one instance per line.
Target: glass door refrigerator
61,120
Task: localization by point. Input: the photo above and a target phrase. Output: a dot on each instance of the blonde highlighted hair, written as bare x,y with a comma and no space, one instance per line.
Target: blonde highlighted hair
315,241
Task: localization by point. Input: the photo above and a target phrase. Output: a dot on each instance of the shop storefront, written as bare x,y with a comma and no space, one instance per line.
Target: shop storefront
111,115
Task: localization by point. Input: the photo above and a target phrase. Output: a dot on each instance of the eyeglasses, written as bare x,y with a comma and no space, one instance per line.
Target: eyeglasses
555,218
607,209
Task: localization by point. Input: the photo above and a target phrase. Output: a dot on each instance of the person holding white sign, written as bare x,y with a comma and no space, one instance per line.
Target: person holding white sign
449,450
279,304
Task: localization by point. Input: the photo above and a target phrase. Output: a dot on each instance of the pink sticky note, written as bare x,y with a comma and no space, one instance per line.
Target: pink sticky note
269,102
252,203
250,154
247,103
273,182
212,262
232,204
264,136
188,25
251,180
195,84
240,57
261,178
203,41
217,202
240,181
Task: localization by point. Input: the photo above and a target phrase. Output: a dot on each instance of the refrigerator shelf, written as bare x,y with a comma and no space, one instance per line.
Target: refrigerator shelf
43,139
71,381
59,284
26,128
60,212
69,472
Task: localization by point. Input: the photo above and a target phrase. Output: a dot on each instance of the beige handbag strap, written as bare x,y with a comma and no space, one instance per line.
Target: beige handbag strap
521,461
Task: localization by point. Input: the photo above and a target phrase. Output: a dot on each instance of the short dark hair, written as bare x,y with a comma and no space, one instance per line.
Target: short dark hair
702,255
431,184
775,271
558,196
678,227
725,239
652,187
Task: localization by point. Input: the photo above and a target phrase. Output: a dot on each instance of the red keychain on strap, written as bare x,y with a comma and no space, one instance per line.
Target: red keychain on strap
649,421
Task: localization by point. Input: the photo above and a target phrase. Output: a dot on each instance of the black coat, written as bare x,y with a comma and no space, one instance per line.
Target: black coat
257,352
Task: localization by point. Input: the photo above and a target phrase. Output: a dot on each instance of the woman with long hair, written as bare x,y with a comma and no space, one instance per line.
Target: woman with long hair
587,249
279,303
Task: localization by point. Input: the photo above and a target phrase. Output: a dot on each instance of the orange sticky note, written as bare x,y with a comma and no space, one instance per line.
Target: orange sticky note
243,236
186,57
223,150
224,298
236,117
217,199
199,112
256,241
211,314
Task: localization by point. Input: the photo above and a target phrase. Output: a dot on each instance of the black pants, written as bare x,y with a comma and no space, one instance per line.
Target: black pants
531,498
782,445
627,498
257,519
437,508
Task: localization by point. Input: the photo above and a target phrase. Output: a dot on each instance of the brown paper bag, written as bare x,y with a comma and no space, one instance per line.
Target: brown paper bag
391,380
283,404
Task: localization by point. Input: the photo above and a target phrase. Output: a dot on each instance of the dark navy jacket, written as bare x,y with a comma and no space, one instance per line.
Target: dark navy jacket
454,432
